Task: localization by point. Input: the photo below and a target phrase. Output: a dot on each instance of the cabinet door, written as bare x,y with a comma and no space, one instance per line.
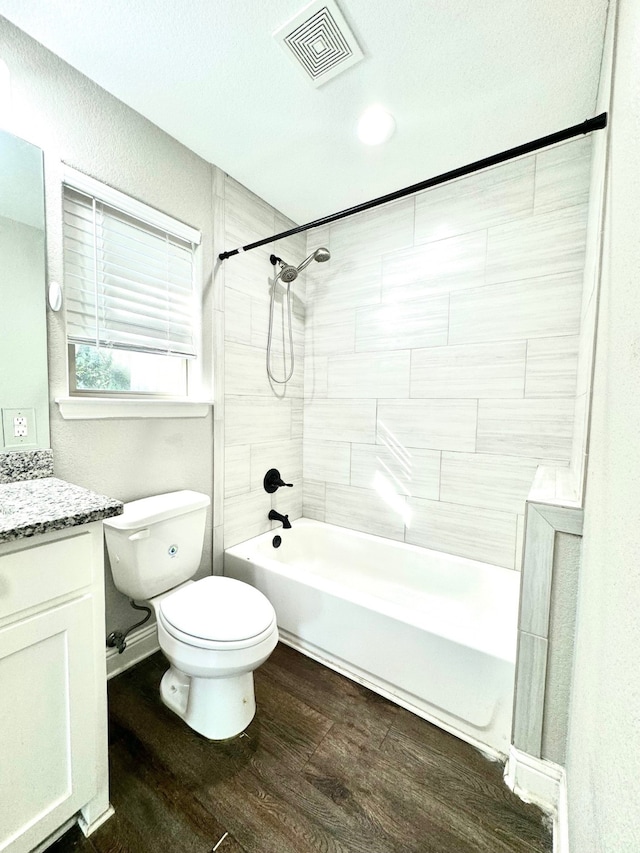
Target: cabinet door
47,747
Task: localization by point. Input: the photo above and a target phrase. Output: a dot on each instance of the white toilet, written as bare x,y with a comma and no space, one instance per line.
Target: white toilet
213,631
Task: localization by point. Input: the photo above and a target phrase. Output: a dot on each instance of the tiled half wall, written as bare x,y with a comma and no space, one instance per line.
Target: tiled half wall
440,357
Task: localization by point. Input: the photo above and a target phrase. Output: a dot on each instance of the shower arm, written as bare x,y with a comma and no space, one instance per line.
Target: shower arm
306,262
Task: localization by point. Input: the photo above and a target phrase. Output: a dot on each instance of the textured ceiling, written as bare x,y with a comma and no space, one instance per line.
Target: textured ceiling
463,78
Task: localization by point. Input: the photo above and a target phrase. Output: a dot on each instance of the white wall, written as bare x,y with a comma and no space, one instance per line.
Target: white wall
441,355
75,121
603,758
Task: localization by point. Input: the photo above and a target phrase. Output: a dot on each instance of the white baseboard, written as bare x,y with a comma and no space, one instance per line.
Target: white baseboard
140,644
544,784
88,828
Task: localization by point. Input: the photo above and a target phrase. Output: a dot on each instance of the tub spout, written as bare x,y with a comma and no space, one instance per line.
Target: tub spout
275,516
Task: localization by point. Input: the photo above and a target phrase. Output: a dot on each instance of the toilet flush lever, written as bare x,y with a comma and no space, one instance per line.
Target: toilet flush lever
141,534
272,481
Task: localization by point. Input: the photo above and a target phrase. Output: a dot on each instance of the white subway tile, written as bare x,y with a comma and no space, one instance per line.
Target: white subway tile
369,375
480,534
531,308
340,420
469,371
246,516
249,273
526,428
409,471
480,200
342,283
315,376
313,499
552,365
545,244
332,338
487,480
297,417
531,677
436,424
381,512
562,175
245,372
434,269
384,229
237,316
237,469
403,325
250,419
327,460
247,216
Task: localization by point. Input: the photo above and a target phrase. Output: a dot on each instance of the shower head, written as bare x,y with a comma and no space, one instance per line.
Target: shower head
289,273
321,255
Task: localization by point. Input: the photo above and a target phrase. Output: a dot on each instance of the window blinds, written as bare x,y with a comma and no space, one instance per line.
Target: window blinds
128,284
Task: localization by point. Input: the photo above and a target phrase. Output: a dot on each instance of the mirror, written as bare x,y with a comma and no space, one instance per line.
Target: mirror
24,395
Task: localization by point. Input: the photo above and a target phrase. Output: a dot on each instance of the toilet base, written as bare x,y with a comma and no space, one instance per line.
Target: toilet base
217,708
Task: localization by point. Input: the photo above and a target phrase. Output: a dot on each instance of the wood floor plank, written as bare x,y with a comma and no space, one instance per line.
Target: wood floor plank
367,715
382,797
481,801
325,766
283,813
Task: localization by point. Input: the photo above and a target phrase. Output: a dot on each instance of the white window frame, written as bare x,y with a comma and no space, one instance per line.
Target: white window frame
99,404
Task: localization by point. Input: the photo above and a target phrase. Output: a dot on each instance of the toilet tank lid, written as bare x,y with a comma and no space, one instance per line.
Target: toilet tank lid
157,508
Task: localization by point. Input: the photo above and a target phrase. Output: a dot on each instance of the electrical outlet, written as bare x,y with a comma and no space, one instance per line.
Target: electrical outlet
20,427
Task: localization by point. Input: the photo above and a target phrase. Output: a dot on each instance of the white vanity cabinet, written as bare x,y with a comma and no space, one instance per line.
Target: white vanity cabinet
53,705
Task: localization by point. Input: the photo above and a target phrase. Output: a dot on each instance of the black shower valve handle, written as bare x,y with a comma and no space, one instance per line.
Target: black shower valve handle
272,481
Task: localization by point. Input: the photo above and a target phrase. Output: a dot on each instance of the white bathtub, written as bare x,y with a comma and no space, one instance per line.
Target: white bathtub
433,632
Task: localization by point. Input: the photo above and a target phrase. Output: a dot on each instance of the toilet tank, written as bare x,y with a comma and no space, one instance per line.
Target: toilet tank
156,543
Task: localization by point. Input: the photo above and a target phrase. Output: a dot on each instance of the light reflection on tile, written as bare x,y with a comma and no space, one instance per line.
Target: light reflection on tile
421,323
412,472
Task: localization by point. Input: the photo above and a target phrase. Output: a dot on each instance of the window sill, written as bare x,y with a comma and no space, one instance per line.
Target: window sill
100,408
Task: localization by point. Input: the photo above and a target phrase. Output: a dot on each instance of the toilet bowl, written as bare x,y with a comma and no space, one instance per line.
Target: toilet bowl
214,632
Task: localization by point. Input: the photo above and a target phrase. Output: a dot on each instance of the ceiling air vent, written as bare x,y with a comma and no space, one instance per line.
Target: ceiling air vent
319,39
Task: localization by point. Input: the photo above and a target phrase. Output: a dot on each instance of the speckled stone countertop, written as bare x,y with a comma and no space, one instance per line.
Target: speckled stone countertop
37,506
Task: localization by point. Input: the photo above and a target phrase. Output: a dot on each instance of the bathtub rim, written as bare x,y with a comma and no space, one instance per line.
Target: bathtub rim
401,612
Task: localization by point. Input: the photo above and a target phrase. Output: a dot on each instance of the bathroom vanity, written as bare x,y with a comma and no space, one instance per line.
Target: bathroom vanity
53,706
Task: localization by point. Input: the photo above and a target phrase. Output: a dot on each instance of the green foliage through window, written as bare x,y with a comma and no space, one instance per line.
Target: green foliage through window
95,370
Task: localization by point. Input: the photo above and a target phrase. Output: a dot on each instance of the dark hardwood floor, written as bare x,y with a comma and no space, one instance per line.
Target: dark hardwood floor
326,765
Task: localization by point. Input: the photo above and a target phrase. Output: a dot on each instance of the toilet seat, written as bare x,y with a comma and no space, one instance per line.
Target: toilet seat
218,613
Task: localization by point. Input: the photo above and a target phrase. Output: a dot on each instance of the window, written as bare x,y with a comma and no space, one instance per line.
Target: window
129,271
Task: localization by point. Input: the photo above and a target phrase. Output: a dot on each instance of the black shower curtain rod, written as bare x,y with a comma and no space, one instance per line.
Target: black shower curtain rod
597,123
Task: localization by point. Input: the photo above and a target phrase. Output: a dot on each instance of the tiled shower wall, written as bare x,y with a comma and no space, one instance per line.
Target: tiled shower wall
262,421
441,346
